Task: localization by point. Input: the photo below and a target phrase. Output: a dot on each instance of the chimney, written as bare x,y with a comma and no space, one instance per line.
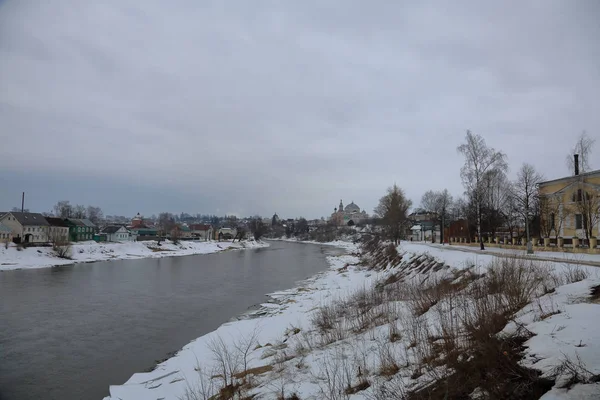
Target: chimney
576,160
23,202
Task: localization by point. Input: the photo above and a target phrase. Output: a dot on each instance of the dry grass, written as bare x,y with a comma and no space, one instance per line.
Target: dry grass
254,371
574,274
362,385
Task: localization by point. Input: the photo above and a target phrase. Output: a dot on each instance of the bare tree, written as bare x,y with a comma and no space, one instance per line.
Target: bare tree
60,243
63,209
496,193
393,211
524,192
18,209
79,211
479,161
583,147
511,215
94,214
439,202
301,226
257,227
587,204
166,223
176,234
553,213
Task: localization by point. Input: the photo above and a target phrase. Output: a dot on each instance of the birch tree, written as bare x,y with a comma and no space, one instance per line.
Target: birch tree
583,147
479,161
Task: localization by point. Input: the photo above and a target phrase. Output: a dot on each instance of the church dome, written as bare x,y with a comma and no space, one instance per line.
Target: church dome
350,208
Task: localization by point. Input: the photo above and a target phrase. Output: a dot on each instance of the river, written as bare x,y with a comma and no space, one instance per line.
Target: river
69,332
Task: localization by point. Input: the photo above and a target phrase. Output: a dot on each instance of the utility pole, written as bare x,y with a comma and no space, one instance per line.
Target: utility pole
529,246
23,202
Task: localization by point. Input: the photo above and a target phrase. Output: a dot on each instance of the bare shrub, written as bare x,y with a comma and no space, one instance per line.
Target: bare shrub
203,388
324,318
62,249
388,359
330,323
574,274
335,375
571,372
245,345
363,308
304,343
228,361
389,388
516,281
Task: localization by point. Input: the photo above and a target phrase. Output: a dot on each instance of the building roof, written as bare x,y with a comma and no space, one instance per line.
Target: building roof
570,177
352,207
74,221
141,231
53,221
199,227
25,218
111,228
5,229
80,222
87,222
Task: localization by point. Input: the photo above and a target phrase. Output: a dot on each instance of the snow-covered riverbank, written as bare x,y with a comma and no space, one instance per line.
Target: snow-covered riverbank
41,257
281,350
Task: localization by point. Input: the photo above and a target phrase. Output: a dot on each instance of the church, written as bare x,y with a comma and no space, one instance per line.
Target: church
349,215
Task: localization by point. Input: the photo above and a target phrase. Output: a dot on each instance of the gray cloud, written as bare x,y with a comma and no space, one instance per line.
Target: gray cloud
283,106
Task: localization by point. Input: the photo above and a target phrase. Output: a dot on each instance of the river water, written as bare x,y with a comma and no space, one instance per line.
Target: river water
69,332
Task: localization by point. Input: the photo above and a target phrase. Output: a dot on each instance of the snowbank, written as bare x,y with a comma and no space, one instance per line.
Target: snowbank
40,257
347,245
287,355
558,256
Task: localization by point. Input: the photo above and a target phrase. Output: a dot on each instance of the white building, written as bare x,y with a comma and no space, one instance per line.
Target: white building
58,231
26,227
117,234
202,231
349,215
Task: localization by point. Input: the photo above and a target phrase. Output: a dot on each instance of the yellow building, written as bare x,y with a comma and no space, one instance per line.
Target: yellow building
570,206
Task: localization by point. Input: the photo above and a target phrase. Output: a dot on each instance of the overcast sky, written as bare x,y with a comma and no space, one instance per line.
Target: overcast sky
256,107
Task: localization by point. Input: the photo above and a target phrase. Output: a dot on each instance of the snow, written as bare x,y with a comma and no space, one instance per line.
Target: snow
558,256
569,332
81,252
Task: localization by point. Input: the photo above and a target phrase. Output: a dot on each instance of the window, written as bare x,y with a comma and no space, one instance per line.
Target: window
552,221
578,221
